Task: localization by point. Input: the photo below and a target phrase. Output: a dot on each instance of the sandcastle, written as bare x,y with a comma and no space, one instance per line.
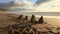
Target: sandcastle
33,20
13,29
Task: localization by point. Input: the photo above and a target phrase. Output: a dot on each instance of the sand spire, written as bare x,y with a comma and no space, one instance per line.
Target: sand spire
41,20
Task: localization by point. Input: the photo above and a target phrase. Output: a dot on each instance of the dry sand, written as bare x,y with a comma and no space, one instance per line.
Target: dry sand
7,19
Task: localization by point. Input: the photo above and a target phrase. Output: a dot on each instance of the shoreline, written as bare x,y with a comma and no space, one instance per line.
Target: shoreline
37,13
57,17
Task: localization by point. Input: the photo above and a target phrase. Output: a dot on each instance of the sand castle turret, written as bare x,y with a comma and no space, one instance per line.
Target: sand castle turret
41,20
33,18
20,17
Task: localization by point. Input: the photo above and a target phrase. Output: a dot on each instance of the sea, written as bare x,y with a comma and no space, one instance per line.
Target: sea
38,14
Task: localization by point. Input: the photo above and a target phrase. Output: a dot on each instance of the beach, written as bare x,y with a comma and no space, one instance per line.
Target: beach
29,17
7,20
49,17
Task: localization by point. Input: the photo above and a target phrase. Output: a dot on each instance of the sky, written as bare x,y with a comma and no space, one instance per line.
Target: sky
31,5
33,1
52,6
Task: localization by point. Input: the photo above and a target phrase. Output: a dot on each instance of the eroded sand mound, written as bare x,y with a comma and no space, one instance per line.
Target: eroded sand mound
33,29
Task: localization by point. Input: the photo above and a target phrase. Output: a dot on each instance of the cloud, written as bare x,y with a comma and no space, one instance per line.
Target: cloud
24,4
44,6
38,2
13,4
6,4
52,6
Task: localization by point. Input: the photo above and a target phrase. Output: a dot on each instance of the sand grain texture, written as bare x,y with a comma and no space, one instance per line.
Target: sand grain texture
7,19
